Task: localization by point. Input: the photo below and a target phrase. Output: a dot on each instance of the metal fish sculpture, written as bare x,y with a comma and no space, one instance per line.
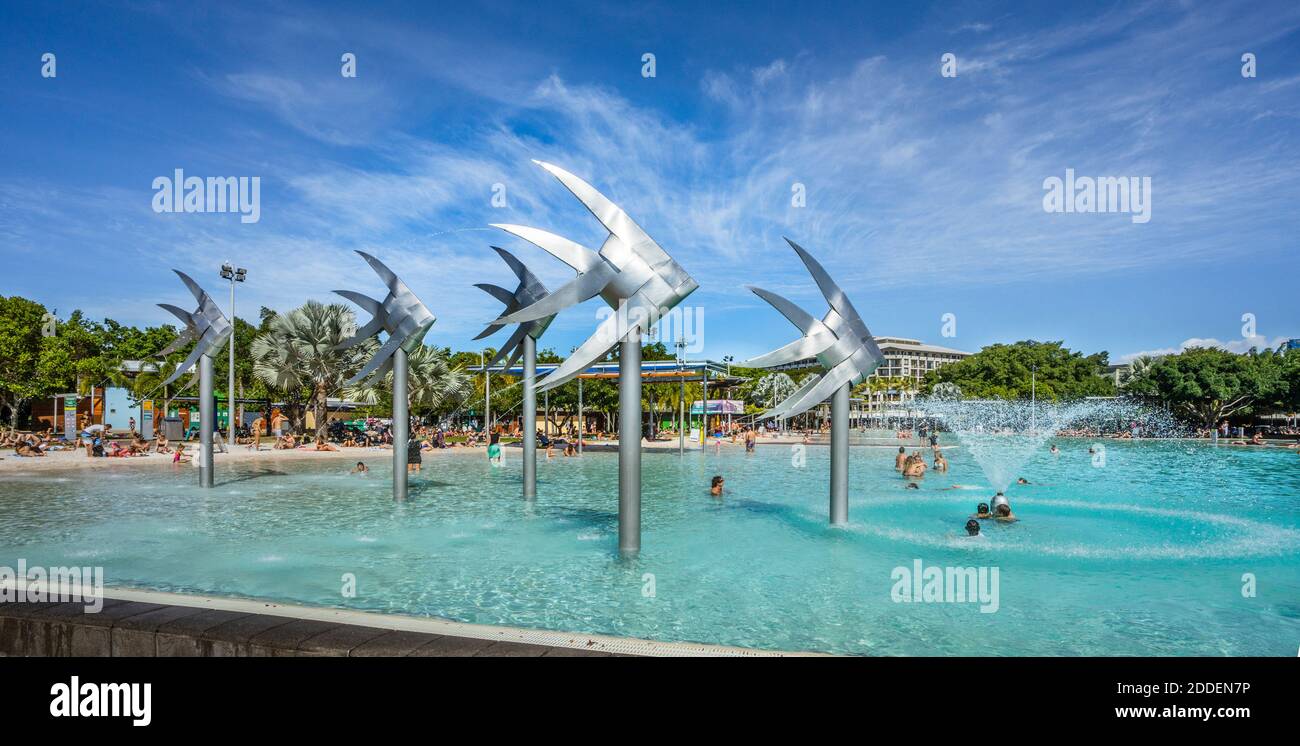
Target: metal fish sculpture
207,326
631,273
530,291
400,314
840,341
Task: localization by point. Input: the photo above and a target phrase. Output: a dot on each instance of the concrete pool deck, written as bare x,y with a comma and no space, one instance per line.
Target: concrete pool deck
144,623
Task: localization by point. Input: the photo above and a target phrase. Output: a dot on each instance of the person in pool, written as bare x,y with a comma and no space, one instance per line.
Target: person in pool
1003,514
914,465
972,528
940,463
715,488
982,511
1055,451
414,459
901,459
360,468
494,449
912,486
1022,480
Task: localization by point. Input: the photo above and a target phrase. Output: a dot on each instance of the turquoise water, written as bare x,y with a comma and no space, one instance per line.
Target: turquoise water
1143,556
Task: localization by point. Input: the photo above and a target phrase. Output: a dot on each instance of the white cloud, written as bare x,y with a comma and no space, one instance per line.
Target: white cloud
1233,345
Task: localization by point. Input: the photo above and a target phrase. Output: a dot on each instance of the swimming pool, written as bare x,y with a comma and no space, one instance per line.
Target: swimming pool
1142,556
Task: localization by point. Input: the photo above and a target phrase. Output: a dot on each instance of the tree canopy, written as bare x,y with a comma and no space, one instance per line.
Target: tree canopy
1010,371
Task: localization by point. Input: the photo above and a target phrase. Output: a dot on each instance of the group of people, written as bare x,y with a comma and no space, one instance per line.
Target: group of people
1000,511
913,466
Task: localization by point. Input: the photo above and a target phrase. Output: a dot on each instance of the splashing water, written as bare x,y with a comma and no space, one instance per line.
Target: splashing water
1003,435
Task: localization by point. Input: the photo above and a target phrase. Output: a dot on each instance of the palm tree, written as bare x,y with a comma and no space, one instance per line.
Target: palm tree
1138,368
298,351
431,381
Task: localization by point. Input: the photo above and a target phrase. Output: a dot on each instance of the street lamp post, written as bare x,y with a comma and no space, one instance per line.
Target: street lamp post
230,272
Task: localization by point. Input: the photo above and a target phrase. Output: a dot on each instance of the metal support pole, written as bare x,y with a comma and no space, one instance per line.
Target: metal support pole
629,444
681,419
207,420
840,456
230,383
582,424
401,424
487,402
530,417
704,411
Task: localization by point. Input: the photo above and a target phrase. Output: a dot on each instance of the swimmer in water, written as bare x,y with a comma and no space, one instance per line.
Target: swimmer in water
360,468
912,486
494,449
940,463
982,511
1004,514
715,488
1022,480
1055,451
914,466
972,527
901,459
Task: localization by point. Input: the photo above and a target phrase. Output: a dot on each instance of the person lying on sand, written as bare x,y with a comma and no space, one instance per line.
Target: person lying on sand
28,450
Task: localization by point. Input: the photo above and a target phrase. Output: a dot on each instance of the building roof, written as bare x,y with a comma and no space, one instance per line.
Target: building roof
912,345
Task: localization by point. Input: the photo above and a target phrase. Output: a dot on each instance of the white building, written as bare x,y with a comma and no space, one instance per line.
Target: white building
908,359
905,358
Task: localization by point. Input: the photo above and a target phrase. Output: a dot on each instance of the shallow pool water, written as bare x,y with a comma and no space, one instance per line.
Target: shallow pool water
1142,556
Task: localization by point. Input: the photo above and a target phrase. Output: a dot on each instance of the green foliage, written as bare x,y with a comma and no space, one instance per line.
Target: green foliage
1005,371
1207,385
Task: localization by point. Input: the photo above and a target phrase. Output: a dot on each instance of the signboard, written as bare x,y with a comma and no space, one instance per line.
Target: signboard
69,417
146,418
720,406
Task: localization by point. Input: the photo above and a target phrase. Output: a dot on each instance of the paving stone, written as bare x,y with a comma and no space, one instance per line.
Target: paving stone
183,637
450,647
338,641
230,639
111,614
576,653
284,639
512,650
393,643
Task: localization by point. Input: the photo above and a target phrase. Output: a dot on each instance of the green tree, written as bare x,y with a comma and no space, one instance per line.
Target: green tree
298,352
1007,371
1207,384
432,382
28,358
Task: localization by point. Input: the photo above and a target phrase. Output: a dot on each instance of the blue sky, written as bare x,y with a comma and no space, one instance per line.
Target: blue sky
923,193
